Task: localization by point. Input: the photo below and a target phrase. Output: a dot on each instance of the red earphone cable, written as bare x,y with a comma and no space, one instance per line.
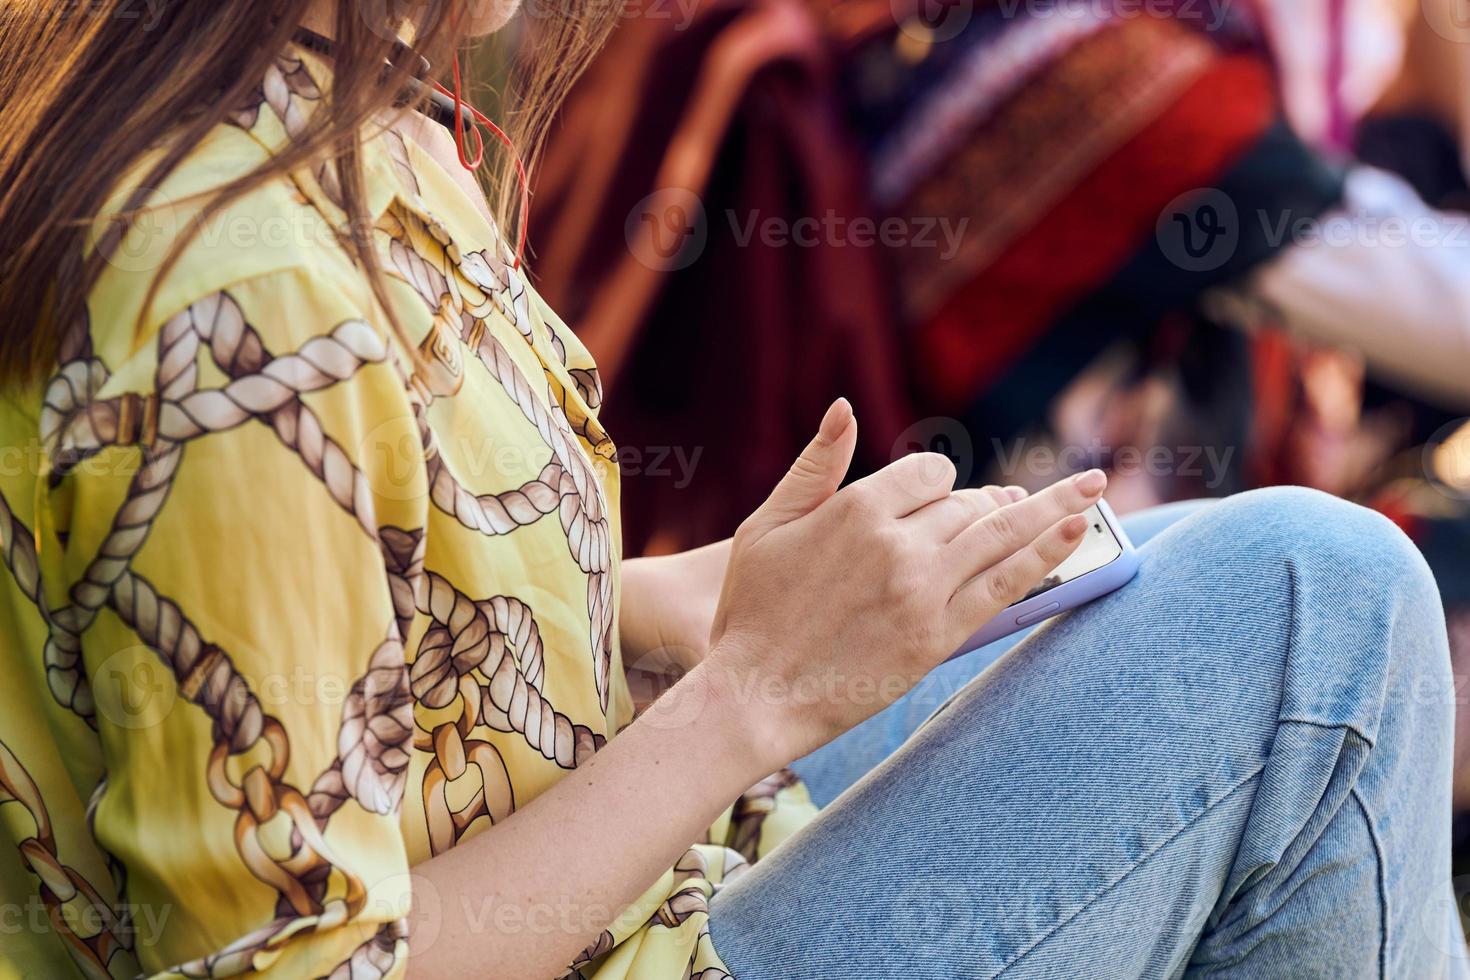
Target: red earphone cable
459,126
460,105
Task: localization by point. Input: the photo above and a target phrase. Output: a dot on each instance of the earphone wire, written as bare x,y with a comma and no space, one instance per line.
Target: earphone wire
451,110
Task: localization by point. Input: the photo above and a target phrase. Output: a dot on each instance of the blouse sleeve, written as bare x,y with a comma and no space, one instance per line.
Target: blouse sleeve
241,503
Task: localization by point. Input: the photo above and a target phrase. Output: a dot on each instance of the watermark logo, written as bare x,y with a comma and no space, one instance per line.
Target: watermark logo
652,675
138,240
667,230
147,14
1199,231
931,916
133,690
942,435
1443,919
391,455
1450,19
388,18
1447,460
932,21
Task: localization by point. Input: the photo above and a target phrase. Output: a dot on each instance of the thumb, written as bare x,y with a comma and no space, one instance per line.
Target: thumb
816,474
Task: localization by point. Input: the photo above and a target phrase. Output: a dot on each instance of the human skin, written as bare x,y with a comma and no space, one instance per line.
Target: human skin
826,606
833,604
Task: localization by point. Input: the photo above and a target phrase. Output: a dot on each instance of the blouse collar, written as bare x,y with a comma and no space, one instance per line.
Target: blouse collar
395,171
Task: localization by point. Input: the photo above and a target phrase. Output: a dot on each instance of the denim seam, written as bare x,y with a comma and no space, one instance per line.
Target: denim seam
1340,725
1291,617
1381,879
1123,877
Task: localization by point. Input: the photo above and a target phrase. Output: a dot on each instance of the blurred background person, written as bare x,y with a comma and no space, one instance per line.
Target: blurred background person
1068,142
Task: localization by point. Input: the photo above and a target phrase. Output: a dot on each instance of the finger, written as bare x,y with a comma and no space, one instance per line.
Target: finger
909,484
943,519
1007,582
815,475
1003,532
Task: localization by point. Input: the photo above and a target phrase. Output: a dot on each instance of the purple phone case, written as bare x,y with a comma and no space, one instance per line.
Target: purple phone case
1069,595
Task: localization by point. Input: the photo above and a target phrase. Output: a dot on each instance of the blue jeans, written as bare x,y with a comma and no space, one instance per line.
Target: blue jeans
1238,765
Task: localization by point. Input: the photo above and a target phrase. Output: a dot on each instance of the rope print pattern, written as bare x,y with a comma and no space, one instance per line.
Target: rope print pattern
485,654
747,819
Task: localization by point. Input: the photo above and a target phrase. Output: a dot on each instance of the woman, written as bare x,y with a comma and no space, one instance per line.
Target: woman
314,600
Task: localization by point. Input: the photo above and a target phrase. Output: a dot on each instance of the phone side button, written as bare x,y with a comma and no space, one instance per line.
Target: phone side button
1038,615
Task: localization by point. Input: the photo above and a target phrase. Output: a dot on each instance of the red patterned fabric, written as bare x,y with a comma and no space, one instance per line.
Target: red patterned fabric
1093,230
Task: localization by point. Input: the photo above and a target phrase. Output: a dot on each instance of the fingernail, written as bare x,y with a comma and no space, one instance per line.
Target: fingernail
1074,527
1016,493
838,414
1091,482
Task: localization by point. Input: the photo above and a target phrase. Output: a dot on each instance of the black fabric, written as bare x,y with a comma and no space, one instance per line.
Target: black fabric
1277,182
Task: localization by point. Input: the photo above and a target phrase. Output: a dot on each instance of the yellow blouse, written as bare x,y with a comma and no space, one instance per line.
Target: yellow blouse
286,613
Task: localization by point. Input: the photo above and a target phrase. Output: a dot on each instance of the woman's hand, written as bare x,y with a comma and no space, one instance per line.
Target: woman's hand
836,602
826,592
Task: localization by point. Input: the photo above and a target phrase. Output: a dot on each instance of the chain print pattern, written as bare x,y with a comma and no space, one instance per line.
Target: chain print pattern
205,674
566,484
678,908
470,641
496,638
583,509
92,427
461,676
61,886
376,957
377,716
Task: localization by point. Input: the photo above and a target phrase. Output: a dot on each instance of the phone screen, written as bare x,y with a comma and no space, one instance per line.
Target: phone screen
1099,546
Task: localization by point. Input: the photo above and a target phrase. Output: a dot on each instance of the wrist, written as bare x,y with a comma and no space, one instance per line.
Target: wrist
736,702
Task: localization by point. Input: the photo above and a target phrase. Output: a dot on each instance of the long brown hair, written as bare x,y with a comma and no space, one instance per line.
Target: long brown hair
86,89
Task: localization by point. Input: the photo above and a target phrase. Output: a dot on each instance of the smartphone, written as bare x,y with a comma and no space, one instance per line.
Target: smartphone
1104,562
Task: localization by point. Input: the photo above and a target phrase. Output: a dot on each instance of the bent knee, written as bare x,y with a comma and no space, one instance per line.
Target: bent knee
1358,589
1335,536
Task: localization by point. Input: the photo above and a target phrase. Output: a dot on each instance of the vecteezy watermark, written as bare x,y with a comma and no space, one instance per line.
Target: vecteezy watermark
839,231
387,18
1368,229
931,915
1045,462
133,689
932,21
142,238
148,13
660,462
679,13
1450,19
1446,460
392,457
1211,13
1201,230
937,21
1443,920
1041,462
562,917
667,230
939,434
140,922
